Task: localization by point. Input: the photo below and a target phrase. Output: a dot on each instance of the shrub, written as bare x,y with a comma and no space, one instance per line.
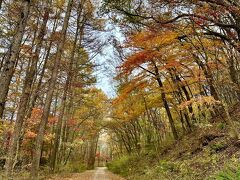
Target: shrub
120,166
73,167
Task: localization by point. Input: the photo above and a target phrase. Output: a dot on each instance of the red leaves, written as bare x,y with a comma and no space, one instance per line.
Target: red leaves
72,122
137,59
97,154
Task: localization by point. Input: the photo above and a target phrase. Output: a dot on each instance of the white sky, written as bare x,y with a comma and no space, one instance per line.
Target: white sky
106,72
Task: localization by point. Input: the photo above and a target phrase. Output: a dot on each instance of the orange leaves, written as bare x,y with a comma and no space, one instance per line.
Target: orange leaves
30,135
35,116
151,45
171,64
153,39
137,83
137,59
52,120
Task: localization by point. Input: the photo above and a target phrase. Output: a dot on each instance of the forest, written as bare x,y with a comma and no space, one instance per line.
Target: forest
120,89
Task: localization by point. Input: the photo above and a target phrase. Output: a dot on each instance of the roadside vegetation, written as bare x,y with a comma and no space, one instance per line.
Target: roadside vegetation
158,79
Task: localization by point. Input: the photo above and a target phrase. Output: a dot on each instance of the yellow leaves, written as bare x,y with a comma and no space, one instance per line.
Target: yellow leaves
59,3
48,138
6,126
153,100
89,112
199,101
132,101
89,8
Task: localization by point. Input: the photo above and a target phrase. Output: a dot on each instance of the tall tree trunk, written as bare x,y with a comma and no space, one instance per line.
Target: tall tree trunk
66,88
12,55
26,95
46,109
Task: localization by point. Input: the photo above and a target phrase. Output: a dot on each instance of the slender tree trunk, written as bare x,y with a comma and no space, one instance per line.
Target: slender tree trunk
169,114
1,4
165,103
46,109
209,78
64,97
65,130
26,95
12,55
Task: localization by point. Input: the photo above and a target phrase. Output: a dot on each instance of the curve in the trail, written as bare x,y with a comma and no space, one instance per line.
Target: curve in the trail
100,173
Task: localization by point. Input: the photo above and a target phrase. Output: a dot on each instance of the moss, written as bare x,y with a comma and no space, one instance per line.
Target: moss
218,147
221,126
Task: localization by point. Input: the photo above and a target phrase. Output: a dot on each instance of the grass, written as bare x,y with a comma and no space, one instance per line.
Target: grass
203,154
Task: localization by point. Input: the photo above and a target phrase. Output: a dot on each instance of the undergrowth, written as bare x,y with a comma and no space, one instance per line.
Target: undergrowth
204,155
73,167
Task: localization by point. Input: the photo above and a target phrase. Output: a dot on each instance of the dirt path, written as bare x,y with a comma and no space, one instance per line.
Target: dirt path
101,173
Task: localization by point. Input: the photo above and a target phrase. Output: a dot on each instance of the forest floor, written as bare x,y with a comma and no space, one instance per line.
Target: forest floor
205,153
100,173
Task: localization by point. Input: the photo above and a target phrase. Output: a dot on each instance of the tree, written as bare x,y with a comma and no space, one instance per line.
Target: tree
12,54
39,138
26,93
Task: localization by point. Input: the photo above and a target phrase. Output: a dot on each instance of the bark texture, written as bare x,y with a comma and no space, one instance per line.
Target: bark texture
12,55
